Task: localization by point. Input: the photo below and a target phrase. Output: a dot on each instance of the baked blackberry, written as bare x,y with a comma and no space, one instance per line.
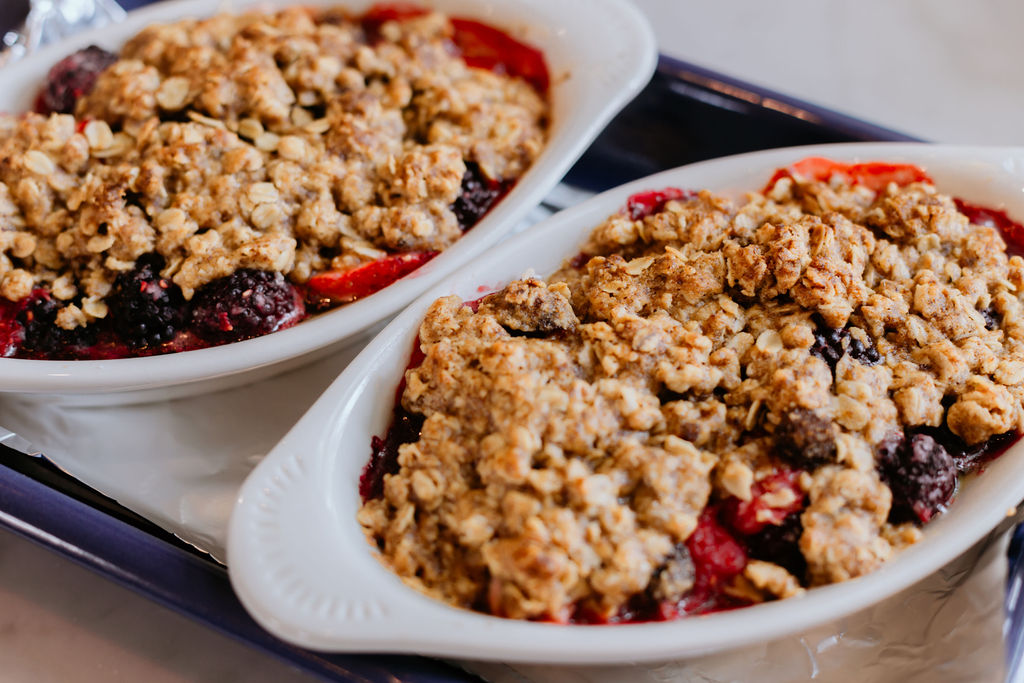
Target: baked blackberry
42,338
145,308
478,195
921,474
71,78
866,354
828,345
780,543
992,318
967,458
248,303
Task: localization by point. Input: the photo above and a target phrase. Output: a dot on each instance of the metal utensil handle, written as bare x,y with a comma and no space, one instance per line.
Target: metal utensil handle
51,20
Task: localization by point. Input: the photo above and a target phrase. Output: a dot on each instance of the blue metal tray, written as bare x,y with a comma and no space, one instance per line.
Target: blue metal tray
685,114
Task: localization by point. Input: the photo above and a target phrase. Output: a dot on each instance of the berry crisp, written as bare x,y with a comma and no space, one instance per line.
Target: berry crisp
717,403
222,178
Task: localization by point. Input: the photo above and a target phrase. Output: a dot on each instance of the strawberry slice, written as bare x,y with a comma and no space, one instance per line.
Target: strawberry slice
1011,230
875,175
644,204
486,47
717,558
479,45
772,500
343,286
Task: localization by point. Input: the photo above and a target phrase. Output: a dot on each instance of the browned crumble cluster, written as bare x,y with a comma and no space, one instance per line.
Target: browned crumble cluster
283,142
575,429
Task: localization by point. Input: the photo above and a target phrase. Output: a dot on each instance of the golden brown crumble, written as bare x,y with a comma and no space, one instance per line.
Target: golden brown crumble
575,429
280,142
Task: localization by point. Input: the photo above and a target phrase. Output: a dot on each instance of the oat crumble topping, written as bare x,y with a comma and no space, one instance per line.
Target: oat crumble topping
746,399
291,142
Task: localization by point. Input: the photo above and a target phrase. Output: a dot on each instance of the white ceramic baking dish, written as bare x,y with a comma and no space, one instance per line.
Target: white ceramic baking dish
599,54
301,565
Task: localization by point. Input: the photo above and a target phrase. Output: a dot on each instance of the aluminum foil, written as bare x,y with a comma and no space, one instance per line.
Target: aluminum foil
50,20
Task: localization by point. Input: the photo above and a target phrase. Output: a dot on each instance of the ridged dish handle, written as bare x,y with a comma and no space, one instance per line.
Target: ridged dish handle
333,586
50,20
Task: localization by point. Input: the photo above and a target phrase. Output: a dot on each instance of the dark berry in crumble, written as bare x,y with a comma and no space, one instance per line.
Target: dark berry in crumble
479,194
865,354
670,588
779,543
829,347
921,474
405,428
968,458
42,337
145,308
248,303
805,439
71,78
991,318
828,342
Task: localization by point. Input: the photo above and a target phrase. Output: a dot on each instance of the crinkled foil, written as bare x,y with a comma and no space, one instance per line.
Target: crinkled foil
50,20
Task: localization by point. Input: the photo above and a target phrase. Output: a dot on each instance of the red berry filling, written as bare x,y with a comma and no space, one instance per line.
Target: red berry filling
480,45
772,500
488,48
875,175
644,204
365,279
71,78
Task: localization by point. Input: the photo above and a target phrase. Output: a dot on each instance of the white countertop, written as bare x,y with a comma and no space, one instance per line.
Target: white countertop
944,70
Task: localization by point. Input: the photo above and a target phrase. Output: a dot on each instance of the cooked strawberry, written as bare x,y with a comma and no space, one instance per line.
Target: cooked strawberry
772,500
365,279
874,175
643,204
486,47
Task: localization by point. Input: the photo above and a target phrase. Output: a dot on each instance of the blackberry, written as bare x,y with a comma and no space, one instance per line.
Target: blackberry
248,303
780,543
969,458
921,474
991,318
71,78
478,195
42,337
146,309
805,439
828,345
868,355
404,428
